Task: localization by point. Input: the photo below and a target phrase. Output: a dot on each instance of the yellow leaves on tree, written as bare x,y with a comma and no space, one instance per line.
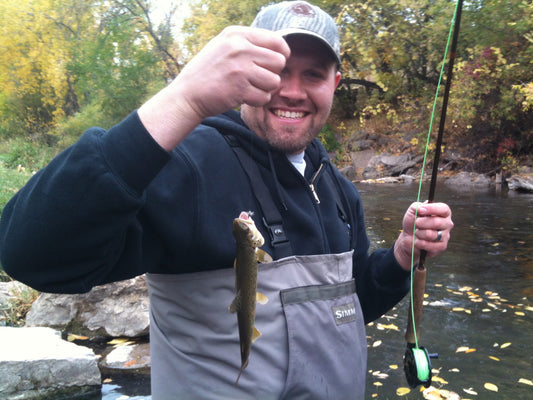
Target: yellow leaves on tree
32,57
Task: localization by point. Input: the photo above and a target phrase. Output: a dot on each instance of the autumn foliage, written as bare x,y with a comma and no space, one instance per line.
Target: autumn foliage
66,65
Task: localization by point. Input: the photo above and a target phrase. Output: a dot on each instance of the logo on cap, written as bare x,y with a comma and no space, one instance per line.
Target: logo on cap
302,9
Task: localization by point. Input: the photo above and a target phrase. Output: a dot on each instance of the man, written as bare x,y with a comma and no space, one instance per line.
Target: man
157,194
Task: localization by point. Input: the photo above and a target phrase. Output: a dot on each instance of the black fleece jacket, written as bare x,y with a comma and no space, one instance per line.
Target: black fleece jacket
116,205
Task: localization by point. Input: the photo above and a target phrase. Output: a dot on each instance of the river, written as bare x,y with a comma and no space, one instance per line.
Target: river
479,308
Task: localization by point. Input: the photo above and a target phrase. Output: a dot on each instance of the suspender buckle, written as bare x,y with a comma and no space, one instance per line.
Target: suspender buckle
276,232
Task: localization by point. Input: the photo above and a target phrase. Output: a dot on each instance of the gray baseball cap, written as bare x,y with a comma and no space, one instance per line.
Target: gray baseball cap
300,17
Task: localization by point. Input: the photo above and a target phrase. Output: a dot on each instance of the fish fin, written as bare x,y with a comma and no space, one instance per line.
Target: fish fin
255,335
240,372
235,304
263,256
261,298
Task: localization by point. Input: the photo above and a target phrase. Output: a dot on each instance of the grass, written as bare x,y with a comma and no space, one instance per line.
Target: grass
11,180
13,311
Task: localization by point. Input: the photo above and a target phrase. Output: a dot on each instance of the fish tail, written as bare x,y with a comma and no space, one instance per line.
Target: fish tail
240,372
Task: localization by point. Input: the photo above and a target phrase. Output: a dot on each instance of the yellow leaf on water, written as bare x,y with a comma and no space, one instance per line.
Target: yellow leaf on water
470,351
374,395
495,245
470,391
454,370
462,349
71,337
378,384
376,343
503,346
393,366
439,379
491,386
526,381
494,358
120,342
402,391
389,326
520,313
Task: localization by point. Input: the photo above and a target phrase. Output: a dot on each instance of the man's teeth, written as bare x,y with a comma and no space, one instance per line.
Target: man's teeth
289,114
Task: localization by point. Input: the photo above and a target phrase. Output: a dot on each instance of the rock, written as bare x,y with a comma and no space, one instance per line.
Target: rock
35,363
388,165
468,179
349,172
521,183
133,357
7,289
116,309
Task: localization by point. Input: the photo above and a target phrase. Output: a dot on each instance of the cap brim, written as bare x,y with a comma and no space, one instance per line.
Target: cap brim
298,31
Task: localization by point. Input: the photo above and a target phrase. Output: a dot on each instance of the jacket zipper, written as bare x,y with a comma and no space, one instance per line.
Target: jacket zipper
312,184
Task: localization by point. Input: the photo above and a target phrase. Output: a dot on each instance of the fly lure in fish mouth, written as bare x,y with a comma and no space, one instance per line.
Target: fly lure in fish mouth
417,365
248,240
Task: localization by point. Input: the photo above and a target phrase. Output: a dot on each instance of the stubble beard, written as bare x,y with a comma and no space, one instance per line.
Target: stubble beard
289,140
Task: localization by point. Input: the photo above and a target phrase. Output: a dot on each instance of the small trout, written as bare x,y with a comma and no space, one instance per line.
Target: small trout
248,239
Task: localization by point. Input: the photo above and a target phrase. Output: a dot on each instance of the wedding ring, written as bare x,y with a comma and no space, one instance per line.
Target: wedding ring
439,236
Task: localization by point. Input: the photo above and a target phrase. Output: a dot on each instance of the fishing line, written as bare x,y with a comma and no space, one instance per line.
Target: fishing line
419,355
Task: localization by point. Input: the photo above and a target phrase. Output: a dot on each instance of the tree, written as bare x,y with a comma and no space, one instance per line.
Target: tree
59,56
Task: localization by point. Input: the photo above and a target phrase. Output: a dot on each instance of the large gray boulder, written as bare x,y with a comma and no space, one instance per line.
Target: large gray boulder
385,164
35,363
116,309
521,183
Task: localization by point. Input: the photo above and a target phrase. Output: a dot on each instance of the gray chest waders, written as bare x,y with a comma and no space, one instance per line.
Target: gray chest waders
312,344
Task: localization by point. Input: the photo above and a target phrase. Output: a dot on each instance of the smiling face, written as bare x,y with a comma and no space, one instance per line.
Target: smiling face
300,107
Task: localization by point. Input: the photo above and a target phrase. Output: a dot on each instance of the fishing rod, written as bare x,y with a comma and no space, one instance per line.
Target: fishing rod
416,361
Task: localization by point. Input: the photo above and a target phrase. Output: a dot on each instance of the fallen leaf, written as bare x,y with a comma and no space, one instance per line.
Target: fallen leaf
470,391
470,351
129,363
520,313
389,326
376,343
71,337
120,342
503,346
439,379
491,386
454,370
402,391
526,381
107,380
494,358
462,349
378,384
393,366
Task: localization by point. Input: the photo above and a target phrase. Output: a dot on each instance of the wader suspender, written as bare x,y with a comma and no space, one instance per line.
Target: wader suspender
272,218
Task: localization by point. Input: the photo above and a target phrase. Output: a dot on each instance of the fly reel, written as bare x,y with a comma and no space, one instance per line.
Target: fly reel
417,366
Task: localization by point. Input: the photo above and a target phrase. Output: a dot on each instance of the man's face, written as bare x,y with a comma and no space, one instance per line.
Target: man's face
300,107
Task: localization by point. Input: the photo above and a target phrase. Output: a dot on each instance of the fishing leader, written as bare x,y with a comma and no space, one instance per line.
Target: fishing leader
158,192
